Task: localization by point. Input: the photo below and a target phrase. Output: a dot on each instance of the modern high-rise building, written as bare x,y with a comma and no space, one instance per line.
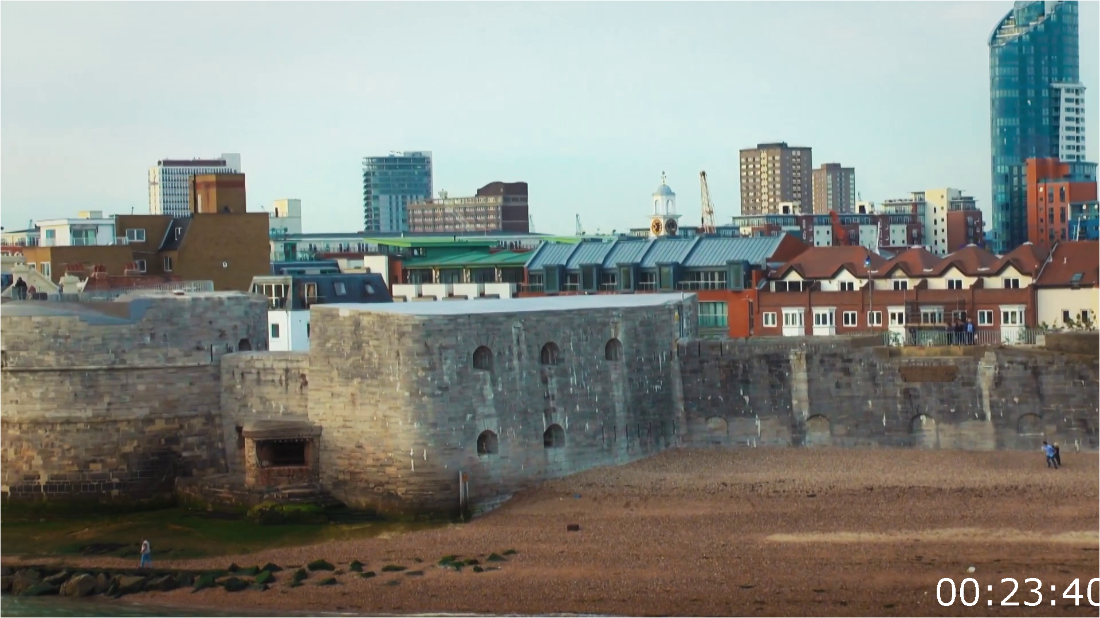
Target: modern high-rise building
773,174
1033,56
170,181
390,184
1069,118
834,189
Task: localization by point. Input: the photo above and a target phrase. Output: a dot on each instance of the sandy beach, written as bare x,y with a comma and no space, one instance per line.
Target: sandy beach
748,532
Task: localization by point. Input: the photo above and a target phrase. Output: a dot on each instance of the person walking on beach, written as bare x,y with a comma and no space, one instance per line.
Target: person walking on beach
1057,456
146,552
1049,450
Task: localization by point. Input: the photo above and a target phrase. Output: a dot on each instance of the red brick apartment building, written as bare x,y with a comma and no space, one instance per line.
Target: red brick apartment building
848,290
1056,193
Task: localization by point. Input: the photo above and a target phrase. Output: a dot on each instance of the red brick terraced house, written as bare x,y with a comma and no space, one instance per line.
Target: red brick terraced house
849,290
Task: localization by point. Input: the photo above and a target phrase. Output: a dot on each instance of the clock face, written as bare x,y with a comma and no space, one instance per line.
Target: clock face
670,226
655,226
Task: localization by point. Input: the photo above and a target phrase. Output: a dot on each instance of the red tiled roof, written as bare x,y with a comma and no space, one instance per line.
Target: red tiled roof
1027,258
1070,258
916,262
825,262
971,260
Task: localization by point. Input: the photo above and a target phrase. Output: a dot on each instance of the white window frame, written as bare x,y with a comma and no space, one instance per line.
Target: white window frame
847,286
1015,283
897,318
801,318
901,285
955,284
985,317
135,234
770,319
850,318
874,318
824,317
167,263
274,331
931,315
1012,317
141,265
47,269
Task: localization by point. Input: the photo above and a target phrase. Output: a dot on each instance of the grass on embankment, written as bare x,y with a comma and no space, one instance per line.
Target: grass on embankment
174,533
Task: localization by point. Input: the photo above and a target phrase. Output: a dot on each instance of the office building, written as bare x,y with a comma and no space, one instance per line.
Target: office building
834,189
1033,53
497,207
1060,198
390,184
1069,118
170,181
772,174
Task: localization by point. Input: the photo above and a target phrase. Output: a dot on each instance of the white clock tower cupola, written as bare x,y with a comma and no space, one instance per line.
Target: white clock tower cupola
664,221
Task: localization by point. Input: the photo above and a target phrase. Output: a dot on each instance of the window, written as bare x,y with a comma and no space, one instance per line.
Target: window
135,235
793,318
874,318
931,315
553,437
483,359
769,318
851,318
954,284
1066,317
897,318
713,315
167,264
307,330
340,289
901,285
790,286
985,317
550,354
47,268
613,351
824,318
140,265
370,289
1011,317
1011,284
847,286
487,443
274,331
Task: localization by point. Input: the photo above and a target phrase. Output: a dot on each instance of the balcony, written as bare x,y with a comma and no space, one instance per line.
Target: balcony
714,321
702,285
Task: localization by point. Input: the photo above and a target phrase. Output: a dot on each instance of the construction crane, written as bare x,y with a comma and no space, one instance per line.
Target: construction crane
580,228
708,209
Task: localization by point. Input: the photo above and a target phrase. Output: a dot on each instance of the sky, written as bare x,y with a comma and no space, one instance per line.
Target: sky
586,102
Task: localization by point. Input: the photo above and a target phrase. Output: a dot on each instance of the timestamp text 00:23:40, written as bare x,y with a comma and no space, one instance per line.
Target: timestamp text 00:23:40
969,592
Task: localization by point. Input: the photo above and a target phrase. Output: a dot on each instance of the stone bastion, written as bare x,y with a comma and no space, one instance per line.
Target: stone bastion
117,399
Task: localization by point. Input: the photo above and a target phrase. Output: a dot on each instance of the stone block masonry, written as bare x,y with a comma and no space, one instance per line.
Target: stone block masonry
508,392
115,400
813,391
259,386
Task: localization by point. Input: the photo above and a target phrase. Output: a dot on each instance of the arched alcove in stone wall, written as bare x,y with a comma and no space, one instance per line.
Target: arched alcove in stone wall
818,431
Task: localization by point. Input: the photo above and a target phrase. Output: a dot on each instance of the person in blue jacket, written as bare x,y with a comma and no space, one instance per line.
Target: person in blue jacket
1049,450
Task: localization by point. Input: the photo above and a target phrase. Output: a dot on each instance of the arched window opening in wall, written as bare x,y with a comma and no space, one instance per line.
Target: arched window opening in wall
1030,425
550,354
244,345
487,443
483,359
613,351
553,437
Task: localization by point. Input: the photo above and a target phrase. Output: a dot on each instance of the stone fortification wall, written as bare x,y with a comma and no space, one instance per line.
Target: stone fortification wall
114,400
809,392
405,399
260,386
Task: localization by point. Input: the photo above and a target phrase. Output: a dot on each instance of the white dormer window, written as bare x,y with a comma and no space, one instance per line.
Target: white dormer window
901,285
847,286
1011,283
954,284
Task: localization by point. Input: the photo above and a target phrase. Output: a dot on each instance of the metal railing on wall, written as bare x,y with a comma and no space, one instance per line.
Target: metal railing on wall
985,337
99,296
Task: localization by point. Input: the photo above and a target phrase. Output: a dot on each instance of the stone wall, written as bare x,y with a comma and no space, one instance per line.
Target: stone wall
806,391
114,400
260,386
403,405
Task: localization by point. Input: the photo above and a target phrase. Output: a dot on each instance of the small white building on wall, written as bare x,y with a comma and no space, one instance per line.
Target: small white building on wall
290,297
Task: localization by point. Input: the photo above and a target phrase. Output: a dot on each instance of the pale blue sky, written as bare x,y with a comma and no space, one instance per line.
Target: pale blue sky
586,102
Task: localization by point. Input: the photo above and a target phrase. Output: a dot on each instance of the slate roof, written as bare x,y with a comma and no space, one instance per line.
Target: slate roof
344,288
698,252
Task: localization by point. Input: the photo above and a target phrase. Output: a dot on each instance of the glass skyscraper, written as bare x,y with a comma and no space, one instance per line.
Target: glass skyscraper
1033,47
390,184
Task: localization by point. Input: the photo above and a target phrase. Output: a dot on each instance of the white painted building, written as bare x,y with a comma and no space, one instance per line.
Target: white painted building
1070,120
170,181
289,298
89,228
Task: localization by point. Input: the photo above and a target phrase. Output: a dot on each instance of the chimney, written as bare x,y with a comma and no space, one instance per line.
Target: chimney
99,272
77,268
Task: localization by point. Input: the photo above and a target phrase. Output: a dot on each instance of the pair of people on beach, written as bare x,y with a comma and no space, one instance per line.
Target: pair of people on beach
1054,455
